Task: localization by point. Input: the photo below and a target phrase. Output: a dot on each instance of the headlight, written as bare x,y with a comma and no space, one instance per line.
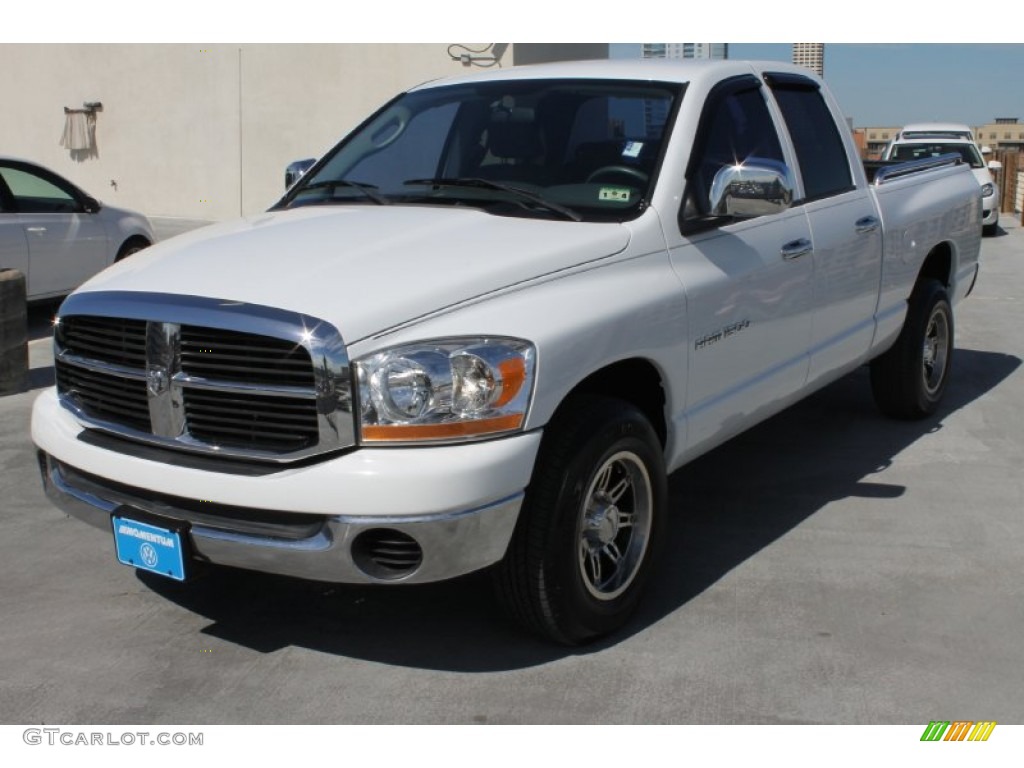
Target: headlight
987,190
445,390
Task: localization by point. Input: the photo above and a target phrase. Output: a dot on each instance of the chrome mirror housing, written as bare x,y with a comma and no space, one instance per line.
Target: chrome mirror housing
756,187
295,170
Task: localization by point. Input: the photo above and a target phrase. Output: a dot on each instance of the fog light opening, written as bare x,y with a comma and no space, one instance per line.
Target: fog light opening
386,554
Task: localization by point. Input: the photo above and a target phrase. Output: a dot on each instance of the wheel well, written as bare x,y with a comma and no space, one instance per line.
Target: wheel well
938,265
135,241
637,382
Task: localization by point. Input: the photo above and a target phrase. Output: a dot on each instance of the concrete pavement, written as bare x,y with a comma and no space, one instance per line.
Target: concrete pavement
829,566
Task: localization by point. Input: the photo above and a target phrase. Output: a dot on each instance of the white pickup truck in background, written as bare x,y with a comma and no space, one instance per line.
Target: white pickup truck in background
481,331
924,140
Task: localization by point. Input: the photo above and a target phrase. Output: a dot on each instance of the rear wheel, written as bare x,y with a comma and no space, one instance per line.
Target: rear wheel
909,380
591,523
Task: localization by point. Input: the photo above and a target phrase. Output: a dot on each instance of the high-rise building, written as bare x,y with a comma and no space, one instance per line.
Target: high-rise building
684,50
810,55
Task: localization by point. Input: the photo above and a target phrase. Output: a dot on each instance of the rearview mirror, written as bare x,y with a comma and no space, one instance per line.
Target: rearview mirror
756,187
295,170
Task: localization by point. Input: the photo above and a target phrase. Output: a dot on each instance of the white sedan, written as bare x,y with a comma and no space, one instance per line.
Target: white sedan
57,235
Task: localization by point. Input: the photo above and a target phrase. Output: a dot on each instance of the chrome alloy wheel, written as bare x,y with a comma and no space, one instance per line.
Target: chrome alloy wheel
936,352
615,526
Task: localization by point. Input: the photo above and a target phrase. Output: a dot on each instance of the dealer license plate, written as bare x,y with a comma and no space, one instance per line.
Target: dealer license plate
150,547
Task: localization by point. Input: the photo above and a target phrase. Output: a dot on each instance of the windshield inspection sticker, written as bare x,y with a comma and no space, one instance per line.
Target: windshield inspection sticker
632,149
614,194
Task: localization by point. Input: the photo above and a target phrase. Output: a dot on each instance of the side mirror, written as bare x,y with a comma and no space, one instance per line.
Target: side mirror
91,204
995,165
756,187
295,170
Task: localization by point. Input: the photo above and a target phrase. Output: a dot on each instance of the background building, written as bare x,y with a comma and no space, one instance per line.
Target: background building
875,139
1006,133
810,55
684,50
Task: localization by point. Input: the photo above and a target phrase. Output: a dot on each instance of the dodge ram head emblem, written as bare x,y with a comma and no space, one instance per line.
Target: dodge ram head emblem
157,380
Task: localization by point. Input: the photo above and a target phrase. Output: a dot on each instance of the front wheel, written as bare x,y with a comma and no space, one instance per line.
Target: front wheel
131,247
909,380
591,523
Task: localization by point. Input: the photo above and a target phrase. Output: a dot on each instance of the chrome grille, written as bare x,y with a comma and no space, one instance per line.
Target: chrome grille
225,378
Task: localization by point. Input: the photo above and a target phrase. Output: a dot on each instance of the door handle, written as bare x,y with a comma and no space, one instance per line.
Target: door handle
866,224
35,229
796,249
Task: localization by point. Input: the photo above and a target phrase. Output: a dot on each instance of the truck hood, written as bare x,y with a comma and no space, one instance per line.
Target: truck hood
364,269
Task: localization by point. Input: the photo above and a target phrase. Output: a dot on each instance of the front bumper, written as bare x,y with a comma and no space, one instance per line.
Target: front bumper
458,504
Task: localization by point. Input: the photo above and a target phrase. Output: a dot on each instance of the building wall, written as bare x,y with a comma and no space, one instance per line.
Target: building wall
876,138
1004,133
203,131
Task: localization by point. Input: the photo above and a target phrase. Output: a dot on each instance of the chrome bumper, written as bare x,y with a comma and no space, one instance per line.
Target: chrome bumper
319,547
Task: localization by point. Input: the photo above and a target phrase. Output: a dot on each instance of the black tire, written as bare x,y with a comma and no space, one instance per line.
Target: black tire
130,247
591,523
909,380
989,230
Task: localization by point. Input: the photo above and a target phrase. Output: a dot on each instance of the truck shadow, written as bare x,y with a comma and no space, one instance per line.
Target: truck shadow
725,508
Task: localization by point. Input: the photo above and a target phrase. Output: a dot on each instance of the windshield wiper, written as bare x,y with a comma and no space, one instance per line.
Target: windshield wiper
533,197
330,186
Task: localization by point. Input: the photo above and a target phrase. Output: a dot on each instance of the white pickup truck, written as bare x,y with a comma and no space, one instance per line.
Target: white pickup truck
482,329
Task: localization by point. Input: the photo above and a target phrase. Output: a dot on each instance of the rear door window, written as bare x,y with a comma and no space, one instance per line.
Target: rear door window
824,164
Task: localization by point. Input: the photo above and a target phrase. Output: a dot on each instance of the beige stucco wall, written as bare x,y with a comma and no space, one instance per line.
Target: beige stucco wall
200,131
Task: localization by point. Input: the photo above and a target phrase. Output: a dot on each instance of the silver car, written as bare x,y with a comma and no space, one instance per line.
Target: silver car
57,235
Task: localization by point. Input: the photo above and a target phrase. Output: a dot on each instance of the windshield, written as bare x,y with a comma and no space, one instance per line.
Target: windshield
561,149
920,151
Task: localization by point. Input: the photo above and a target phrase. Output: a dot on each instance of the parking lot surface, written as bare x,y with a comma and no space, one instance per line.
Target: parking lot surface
829,566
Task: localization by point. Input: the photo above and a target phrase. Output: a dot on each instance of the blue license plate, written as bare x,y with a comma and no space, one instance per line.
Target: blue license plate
150,547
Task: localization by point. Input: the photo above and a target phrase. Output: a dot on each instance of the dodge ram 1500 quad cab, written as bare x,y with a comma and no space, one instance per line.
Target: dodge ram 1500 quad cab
481,331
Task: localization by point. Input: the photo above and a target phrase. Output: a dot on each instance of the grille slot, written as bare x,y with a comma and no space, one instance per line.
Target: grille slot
223,355
106,397
251,420
106,339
